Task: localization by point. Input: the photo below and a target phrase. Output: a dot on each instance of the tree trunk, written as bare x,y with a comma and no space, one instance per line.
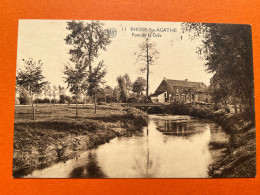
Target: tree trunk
95,100
147,79
77,108
32,106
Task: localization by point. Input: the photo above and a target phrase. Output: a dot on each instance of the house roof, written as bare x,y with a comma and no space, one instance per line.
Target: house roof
156,94
168,84
184,83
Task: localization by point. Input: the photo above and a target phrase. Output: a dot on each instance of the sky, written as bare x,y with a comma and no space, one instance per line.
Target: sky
44,40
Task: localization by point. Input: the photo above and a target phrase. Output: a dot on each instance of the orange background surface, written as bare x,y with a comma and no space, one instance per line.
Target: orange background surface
218,11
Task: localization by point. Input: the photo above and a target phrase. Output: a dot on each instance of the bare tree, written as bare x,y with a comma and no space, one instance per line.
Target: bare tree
147,55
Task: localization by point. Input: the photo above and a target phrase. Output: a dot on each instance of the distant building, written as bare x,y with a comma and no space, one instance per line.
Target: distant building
180,91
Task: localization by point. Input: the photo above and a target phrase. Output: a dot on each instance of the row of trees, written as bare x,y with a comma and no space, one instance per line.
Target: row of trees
82,75
128,90
86,40
47,93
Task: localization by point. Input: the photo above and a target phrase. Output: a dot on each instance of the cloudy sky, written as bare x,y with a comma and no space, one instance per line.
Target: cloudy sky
44,40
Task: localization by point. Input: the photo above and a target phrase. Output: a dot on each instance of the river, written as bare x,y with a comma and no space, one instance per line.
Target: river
169,147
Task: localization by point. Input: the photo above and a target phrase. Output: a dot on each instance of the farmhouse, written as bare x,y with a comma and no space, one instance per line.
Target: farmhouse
180,91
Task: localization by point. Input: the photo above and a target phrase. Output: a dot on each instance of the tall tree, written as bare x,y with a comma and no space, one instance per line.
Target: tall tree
227,50
61,94
116,94
75,78
139,85
122,88
54,93
87,39
147,55
108,93
128,84
47,92
31,79
95,79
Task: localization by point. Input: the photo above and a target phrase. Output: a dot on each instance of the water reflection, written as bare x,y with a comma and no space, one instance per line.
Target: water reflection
90,170
171,146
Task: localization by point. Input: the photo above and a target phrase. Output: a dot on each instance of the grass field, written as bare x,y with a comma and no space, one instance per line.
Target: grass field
57,135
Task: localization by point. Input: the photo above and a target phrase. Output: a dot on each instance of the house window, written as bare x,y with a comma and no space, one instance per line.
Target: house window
177,90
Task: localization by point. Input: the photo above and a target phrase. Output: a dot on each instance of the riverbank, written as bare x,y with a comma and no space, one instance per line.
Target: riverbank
56,135
240,157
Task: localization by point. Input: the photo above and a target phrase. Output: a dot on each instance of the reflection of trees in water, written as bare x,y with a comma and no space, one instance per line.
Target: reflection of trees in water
145,166
173,128
90,170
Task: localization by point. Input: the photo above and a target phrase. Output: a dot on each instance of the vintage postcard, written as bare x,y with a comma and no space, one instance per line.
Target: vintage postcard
134,99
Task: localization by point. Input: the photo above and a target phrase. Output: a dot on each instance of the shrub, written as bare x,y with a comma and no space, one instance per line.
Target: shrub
38,100
62,99
25,100
54,101
139,117
46,100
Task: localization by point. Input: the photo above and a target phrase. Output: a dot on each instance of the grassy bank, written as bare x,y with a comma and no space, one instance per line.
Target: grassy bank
240,158
56,135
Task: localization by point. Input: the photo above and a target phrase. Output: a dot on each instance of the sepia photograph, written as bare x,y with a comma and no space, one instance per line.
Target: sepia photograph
134,99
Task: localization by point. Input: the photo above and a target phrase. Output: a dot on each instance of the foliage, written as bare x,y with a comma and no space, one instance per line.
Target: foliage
123,96
86,39
24,97
47,91
108,94
139,85
62,99
128,84
75,78
31,79
227,50
95,79
46,100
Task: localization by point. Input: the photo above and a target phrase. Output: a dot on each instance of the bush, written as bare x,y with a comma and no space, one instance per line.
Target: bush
46,100
38,100
102,103
68,99
185,109
138,117
54,101
62,99
25,100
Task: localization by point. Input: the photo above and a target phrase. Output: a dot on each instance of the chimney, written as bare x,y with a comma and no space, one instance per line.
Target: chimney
164,78
186,80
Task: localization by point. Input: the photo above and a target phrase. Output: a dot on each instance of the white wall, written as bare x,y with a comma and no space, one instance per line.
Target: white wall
161,98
